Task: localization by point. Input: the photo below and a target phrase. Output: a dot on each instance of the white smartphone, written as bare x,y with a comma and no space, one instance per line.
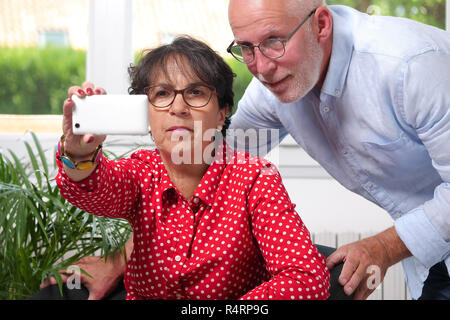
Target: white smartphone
110,114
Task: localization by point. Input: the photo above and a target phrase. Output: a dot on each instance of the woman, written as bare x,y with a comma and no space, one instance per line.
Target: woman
218,226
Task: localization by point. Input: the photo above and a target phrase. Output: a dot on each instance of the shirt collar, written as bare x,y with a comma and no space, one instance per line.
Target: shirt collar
341,55
207,188
165,184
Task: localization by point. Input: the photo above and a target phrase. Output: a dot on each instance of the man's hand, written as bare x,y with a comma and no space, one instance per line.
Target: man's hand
362,257
105,274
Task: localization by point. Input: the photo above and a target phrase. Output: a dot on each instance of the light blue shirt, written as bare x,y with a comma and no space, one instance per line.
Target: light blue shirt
380,126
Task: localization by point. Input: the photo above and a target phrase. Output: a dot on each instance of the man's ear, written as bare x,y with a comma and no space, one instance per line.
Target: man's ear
325,23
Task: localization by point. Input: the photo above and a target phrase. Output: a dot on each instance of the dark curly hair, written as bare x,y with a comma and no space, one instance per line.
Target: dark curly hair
207,65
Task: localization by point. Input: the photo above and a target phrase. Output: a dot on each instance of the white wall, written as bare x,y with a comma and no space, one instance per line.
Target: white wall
321,201
325,205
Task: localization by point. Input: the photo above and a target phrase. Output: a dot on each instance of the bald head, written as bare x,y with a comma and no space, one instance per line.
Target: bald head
290,8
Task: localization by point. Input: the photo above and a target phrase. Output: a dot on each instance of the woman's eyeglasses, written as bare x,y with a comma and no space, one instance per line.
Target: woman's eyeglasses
196,95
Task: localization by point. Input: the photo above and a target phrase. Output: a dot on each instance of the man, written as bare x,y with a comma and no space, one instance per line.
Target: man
369,99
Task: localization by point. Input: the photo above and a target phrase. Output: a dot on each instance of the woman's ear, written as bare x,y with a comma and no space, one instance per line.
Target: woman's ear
221,116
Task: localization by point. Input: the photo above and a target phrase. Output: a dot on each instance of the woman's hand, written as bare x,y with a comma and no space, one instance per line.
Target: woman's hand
79,147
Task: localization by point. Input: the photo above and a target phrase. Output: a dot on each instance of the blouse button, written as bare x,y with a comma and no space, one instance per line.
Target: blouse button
177,258
195,200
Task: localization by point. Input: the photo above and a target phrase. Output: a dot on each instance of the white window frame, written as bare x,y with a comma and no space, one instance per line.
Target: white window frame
110,47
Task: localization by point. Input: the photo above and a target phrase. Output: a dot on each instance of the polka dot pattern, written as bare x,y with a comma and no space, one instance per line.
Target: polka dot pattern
239,237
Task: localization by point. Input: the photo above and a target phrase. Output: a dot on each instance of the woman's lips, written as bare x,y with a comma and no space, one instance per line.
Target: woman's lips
179,129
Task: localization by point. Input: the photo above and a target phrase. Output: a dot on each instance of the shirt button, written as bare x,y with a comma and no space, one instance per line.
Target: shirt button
326,109
177,258
196,200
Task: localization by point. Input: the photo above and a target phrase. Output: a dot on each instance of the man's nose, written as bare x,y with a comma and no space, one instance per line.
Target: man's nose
263,65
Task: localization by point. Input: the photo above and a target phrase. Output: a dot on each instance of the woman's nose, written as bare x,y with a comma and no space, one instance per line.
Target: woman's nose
179,106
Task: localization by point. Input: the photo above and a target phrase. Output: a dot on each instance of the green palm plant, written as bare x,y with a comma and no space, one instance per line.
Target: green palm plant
40,232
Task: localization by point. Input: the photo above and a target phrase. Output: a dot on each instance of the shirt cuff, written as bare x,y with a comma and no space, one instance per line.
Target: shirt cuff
421,237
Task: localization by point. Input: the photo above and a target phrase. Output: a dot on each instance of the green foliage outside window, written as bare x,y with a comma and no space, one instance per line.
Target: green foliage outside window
431,12
35,81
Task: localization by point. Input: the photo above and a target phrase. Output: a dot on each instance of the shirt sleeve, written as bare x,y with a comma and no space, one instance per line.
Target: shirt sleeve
297,269
111,190
425,230
255,127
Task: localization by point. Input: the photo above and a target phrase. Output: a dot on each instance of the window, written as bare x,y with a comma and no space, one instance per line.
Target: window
42,53
167,38
53,37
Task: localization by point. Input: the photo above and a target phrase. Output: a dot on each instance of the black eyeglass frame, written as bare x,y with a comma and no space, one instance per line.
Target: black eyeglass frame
176,92
283,42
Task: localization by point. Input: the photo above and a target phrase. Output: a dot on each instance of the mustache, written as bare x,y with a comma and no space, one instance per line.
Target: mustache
264,79
261,78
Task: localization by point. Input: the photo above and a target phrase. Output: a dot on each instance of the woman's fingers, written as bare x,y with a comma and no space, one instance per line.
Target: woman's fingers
67,117
90,89
93,139
87,89
80,144
76,90
100,91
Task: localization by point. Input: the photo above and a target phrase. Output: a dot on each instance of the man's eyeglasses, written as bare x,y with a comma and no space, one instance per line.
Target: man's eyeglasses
272,48
162,96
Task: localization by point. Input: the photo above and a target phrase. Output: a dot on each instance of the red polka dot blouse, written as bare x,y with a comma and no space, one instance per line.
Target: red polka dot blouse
237,237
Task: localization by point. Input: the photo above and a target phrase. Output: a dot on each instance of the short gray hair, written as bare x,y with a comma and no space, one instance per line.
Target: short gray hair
303,7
